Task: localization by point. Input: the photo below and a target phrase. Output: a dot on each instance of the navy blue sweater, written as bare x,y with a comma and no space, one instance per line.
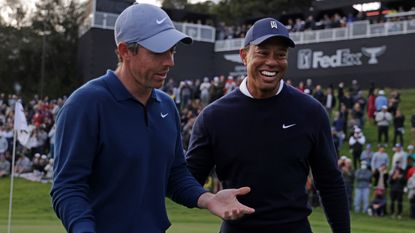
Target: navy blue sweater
116,160
269,145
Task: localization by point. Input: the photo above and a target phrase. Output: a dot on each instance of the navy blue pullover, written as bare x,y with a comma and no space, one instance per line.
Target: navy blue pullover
269,145
116,160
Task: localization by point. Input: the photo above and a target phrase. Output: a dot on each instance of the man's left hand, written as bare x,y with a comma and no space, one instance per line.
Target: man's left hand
224,203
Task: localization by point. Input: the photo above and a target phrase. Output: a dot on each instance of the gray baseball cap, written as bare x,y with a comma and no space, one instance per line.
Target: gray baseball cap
148,26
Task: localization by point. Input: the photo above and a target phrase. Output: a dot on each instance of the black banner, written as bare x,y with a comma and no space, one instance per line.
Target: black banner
386,61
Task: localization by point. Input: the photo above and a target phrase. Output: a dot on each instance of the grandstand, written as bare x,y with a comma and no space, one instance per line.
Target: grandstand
374,47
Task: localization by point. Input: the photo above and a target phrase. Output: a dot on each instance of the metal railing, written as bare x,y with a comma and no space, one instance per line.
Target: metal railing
355,30
107,21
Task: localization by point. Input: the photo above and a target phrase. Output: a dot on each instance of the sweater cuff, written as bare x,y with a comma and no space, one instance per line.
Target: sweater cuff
197,195
83,227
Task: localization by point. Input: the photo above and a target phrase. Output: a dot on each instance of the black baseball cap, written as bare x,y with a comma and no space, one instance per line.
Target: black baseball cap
266,28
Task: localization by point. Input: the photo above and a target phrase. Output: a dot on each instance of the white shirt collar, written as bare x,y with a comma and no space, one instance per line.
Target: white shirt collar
244,88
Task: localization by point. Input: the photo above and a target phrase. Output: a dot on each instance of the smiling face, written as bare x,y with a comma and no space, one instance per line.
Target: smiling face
266,65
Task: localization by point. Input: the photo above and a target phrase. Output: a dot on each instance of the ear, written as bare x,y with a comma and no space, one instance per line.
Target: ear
123,51
243,53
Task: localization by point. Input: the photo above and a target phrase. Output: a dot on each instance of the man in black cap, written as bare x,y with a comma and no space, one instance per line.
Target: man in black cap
267,135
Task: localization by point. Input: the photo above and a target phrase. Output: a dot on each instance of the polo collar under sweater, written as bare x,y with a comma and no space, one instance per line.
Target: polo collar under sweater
244,88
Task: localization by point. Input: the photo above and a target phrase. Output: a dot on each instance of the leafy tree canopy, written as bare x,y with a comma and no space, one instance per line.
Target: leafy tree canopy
39,47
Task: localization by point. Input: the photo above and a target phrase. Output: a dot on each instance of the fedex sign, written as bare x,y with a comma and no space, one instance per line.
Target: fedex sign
308,59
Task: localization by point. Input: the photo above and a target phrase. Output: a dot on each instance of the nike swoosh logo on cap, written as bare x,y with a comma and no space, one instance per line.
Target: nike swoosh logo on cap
287,126
161,20
163,115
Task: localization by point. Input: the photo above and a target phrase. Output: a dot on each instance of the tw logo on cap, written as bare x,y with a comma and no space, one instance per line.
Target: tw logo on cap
274,24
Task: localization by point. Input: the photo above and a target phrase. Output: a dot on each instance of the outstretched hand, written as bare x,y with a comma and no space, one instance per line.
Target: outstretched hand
224,203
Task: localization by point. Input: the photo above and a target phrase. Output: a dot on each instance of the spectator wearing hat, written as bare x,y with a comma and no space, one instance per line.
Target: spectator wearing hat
399,157
42,163
383,120
367,156
378,205
363,178
356,143
124,114
381,100
379,158
49,169
230,85
269,119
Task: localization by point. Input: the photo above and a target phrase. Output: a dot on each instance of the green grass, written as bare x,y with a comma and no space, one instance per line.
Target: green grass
200,221
32,211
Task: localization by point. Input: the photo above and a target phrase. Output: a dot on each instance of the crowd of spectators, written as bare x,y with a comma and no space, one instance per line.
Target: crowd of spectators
34,157
350,109
300,24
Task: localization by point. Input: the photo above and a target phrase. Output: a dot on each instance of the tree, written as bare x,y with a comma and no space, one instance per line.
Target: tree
54,26
14,13
59,21
201,7
174,4
18,46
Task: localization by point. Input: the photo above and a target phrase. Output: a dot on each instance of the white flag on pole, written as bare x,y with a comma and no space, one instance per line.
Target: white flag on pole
20,124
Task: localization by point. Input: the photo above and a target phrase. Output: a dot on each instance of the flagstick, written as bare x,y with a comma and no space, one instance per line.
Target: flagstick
11,183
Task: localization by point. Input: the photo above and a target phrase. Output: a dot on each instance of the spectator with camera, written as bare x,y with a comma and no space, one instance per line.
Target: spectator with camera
397,184
356,142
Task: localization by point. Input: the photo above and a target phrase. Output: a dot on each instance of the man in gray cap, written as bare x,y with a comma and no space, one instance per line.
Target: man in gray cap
266,135
118,149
